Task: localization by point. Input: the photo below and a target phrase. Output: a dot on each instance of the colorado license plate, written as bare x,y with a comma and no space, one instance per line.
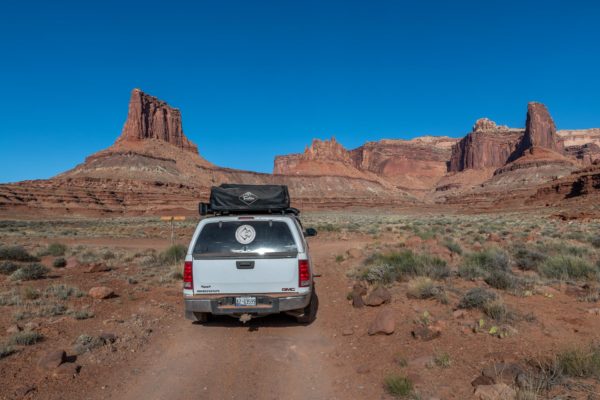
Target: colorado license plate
245,301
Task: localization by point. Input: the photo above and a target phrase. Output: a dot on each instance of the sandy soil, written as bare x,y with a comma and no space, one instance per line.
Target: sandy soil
160,355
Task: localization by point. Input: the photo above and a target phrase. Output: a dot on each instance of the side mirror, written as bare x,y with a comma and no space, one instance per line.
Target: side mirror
310,232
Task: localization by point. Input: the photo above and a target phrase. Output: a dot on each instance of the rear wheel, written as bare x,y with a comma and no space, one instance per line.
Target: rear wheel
201,317
310,311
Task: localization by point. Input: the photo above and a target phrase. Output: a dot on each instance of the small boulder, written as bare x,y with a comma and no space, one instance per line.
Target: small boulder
594,311
380,295
503,372
363,369
347,332
66,370
52,359
101,292
425,333
13,329
32,326
23,391
384,323
108,337
498,391
358,290
98,267
72,262
459,314
482,380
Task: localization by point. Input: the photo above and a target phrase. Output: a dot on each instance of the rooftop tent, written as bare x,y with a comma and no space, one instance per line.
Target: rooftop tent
236,198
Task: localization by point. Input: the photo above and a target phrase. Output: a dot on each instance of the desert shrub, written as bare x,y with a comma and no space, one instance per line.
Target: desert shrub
580,362
29,272
442,360
528,259
501,280
59,262
425,288
174,254
476,298
568,267
52,310
11,298
6,350
30,293
63,292
339,258
496,310
386,268
55,249
451,245
108,255
86,343
8,267
595,241
25,338
82,314
16,253
480,263
398,386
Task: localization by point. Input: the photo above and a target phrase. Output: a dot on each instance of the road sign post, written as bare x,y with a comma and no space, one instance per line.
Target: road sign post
171,220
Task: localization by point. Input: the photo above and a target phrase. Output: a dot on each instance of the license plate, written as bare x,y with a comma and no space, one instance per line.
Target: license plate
245,301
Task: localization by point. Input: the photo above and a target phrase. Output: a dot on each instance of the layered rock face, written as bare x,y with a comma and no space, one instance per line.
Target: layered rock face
151,118
582,144
486,146
540,131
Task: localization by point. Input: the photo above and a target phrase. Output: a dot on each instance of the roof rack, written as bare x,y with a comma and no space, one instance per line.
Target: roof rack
205,209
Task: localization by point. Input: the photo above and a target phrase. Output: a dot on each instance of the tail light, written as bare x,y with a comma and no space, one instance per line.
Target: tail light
303,273
188,276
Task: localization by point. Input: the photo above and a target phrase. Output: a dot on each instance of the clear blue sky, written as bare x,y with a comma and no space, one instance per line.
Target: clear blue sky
258,78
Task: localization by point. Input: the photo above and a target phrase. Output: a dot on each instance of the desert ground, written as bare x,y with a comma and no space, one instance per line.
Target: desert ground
415,305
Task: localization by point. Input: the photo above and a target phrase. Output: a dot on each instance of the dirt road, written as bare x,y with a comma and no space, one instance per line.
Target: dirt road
268,358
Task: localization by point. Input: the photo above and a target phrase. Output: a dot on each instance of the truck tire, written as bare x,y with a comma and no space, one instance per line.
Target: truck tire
201,317
310,312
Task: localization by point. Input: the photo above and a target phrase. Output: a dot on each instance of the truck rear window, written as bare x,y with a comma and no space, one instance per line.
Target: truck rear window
243,238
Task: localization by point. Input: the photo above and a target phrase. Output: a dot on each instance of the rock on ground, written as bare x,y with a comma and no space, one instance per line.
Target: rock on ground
384,323
378,296
101,292
52,359
499,391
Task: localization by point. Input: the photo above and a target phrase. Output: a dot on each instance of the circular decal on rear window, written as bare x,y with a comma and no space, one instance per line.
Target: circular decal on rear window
245,234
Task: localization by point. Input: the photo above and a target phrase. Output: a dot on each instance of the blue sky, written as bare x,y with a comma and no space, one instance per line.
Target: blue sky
254,79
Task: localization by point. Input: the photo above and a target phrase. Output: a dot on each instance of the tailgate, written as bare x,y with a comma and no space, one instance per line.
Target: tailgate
235,275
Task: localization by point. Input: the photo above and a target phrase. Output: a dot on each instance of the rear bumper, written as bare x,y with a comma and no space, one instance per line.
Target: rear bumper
266,304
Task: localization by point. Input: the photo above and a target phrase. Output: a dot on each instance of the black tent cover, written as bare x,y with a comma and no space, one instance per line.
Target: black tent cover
249,198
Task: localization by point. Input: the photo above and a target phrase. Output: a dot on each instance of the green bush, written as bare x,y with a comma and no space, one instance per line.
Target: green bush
568,267
25,338
528,259
398,386
580,362
496,310
82,314
501,280
86,343
55,249
59,262
63,292
29,272
451,245
8,267
390,267
481,263
174,254
476,298
16,253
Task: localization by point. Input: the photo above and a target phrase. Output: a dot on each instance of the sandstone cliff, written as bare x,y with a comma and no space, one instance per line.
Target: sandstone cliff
486,146
151,118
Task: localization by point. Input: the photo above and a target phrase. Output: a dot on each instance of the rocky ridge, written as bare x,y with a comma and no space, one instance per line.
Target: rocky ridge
154,168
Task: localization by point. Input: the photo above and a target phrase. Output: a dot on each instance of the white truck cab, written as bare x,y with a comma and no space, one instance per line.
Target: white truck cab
247,265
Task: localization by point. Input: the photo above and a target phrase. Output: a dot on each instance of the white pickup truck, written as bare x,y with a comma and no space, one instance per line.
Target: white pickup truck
248,266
